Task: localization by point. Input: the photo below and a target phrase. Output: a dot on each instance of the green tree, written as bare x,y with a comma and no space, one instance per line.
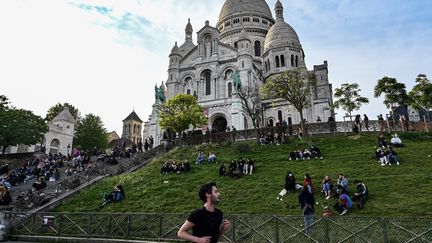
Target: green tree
18,126
421,94
90,133
293,86
349,98
395,93
180,112
56,109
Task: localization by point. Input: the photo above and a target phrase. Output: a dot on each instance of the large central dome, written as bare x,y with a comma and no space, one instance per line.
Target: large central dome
232,7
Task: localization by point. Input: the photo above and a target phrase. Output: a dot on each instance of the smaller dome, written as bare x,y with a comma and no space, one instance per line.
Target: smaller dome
281,34
175,49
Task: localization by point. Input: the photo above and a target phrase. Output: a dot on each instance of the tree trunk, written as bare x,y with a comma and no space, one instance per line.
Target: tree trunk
301,122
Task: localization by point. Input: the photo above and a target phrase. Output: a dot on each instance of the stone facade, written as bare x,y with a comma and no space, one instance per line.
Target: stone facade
246,40
132,126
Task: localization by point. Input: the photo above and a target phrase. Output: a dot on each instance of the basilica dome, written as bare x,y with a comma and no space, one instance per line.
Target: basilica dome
281,33
232,7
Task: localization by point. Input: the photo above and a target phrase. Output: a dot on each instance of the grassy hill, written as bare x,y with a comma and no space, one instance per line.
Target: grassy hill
403,190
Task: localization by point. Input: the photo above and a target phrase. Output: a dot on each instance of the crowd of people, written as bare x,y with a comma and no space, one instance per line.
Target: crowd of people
237,169
270,138
385,153
304,154
172,167
343,197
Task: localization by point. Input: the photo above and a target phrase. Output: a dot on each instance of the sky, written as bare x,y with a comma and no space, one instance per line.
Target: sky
105,56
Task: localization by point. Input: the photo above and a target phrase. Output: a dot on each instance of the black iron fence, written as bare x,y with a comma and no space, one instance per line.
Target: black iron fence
245,228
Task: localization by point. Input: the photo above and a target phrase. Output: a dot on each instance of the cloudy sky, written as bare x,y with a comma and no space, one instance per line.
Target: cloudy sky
105,56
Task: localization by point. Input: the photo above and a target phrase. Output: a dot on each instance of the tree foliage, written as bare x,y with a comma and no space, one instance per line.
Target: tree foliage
180,112
251,102
90,133
18,126
421,94
349,98
395,93
56,109
293,86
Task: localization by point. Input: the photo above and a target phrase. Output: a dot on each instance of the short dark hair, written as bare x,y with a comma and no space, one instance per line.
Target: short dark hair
206,188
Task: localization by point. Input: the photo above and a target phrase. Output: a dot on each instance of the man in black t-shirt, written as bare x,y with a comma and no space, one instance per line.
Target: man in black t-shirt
207,223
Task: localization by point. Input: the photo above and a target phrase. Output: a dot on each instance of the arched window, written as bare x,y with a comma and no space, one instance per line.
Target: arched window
188,92
271,122
296,61
257,49
277,61
292,60
229,90
188,80
207,80
282,59
235,45
280,115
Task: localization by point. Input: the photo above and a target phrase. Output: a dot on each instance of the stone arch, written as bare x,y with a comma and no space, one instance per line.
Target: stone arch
54,146
226,68
271,121
187,74
220,124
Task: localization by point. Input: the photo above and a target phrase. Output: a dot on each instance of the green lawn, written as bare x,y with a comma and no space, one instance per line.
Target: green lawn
403,190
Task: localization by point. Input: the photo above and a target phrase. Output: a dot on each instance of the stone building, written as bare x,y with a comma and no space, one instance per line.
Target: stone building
132,128
249,42
58,139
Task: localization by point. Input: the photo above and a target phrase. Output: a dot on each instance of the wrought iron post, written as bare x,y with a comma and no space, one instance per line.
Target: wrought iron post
326,234
276,228
60,224
383,225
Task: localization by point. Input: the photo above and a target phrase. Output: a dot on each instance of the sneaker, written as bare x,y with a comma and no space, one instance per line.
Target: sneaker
277,198
328,197
344,212
383,164
397,163
281,199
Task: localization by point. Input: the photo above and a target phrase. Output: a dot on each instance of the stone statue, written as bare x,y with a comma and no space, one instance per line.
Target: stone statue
235,76
160,94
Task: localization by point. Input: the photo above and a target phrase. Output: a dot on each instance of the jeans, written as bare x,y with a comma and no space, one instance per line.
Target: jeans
308,221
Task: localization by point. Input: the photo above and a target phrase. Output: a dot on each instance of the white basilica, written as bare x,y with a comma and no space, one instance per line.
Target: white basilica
248,40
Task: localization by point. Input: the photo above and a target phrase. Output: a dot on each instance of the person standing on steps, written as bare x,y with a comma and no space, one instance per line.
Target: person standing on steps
207,223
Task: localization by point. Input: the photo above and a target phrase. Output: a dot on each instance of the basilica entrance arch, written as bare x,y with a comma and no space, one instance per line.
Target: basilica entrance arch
219,124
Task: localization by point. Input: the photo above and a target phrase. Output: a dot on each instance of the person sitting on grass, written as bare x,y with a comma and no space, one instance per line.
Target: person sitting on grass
344,202
212,157
307,181
342,182
316,152
290,186
361,195
391,156
116,195
396,141
327,186
200,158
222,170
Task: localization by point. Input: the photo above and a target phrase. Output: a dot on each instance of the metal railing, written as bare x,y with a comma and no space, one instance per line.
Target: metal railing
245,228
309,129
